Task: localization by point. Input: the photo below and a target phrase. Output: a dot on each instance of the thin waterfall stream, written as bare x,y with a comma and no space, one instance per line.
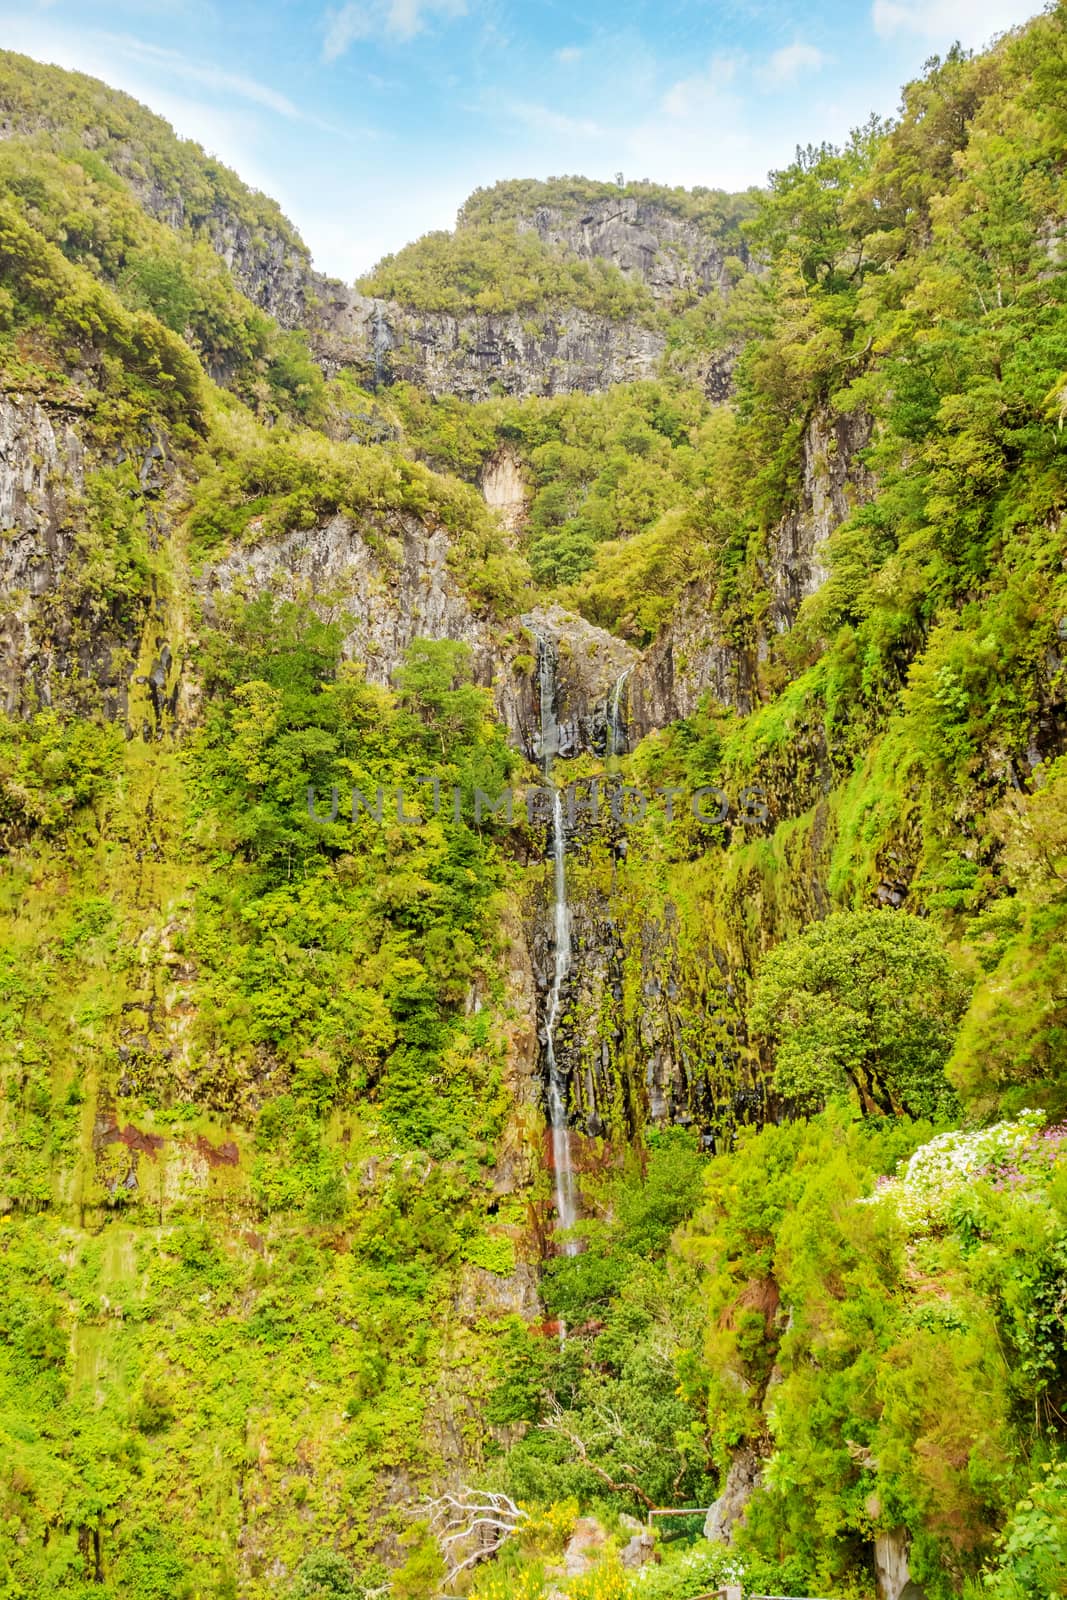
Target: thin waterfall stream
616,737
562,1163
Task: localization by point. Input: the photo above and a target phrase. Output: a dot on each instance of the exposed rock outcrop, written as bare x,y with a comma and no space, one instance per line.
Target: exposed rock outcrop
728,1511
555,351
58,638
584,1545
474,356
834,481
638,1551
669,253
558,351
589,664
893,1580
692,658
651,1032
388,581
505,489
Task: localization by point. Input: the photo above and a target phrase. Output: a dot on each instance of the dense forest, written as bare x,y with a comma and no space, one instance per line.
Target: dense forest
403,1192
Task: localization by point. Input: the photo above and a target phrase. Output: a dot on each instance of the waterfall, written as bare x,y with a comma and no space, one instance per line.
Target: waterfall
616,739
381,345
563,1170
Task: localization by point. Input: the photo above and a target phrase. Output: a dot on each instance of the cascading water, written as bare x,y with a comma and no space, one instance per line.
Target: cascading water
381,346
562,1165
616,739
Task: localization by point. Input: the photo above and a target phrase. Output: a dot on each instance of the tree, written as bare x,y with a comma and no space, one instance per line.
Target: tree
325,1575
866,998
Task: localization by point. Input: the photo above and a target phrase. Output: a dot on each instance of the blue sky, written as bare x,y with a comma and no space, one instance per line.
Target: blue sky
371,120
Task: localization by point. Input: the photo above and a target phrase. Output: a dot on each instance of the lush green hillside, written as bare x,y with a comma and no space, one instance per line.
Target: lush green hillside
494,261
491,267
714,209
69,114
277,1243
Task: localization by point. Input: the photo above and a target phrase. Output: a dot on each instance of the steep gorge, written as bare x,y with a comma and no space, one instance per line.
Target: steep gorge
295,1102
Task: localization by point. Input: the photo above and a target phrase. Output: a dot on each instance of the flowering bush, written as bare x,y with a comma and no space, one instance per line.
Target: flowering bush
547,1528
942,1170
498,1583
608,1580
1034,1163
703,1568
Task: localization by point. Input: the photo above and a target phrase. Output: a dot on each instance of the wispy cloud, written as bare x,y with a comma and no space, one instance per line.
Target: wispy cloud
186,10
371,19
203,74
569,55
545,119
698,131
972,22
696,93
790,63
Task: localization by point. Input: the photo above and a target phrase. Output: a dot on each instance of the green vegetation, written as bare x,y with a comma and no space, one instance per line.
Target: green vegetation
599,467
91,205
56,109
494,262
276,1222
718,213
341,1205
272,483
496,268
862,999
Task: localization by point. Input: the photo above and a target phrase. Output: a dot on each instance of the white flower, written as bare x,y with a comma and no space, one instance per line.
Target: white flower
944,1168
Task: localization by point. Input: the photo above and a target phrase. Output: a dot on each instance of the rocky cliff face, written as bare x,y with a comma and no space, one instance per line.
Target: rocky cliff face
834,481
472,356
671,254
475,356
67,639
653,1030
590,664
692,657
388,581
636,994
555,352
58,640
42,472
504,488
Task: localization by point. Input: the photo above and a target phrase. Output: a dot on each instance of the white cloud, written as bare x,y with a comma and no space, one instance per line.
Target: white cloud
789,63
568,55
972,22
688,95
698,134
545,120
203,75
368,19
186,10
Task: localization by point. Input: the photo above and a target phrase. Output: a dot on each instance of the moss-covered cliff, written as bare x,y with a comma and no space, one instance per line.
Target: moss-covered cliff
750,512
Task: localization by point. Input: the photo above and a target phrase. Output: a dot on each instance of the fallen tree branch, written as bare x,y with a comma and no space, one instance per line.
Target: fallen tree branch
455,1519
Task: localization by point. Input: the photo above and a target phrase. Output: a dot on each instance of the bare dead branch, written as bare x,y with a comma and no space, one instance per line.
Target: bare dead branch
554,1423
485,1516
